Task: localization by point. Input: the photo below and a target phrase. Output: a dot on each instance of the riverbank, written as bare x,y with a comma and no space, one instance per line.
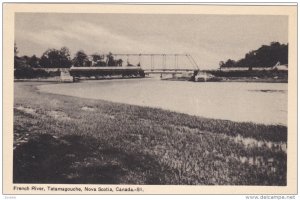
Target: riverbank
63,139
254,76
233,79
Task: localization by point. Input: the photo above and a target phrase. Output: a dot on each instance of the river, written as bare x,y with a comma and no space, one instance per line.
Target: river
264,103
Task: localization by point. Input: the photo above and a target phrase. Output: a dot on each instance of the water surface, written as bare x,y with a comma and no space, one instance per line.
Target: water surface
244,102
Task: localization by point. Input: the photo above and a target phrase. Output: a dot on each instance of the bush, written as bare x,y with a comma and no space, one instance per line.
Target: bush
27,72
248,74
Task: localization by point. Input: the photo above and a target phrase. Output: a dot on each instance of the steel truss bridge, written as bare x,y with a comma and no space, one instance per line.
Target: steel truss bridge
161,63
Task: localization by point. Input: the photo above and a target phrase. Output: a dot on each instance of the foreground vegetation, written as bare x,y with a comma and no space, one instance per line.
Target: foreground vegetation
62,139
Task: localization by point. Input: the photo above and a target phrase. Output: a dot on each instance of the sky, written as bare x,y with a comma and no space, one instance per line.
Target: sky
208,38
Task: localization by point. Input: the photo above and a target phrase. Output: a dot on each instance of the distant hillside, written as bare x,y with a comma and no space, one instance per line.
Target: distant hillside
265,56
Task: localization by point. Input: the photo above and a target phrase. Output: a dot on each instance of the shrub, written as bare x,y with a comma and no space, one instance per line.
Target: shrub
27,72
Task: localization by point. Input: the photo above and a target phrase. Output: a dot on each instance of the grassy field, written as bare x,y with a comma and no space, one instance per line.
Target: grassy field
62,139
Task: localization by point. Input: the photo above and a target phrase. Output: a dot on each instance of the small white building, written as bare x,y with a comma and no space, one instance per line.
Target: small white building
278,66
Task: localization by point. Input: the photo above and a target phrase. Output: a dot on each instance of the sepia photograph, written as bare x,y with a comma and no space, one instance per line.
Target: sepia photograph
174,99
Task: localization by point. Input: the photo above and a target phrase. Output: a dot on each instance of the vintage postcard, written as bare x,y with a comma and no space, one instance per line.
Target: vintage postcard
149,99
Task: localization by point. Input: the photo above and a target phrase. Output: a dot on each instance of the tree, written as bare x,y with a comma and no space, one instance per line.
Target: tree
80,59
65,58
230,63
110,59
53,58
33,62
20,62
96,57
17,60
119,62
98,60
16,50
221,64
265,56
112,62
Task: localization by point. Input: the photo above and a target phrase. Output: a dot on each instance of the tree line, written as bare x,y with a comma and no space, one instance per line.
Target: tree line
265,56
61,58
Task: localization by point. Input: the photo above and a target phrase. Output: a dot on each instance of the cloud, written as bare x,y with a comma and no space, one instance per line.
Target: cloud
208,38
92,38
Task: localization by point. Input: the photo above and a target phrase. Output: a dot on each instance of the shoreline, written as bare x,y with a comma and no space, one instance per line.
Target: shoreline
75,134
256,76
224,80
246,80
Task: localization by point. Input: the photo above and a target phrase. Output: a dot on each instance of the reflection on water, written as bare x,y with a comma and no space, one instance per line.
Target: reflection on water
268,91
255,102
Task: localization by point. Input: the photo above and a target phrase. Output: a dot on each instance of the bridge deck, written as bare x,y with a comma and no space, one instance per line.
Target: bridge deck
168,71
171,69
